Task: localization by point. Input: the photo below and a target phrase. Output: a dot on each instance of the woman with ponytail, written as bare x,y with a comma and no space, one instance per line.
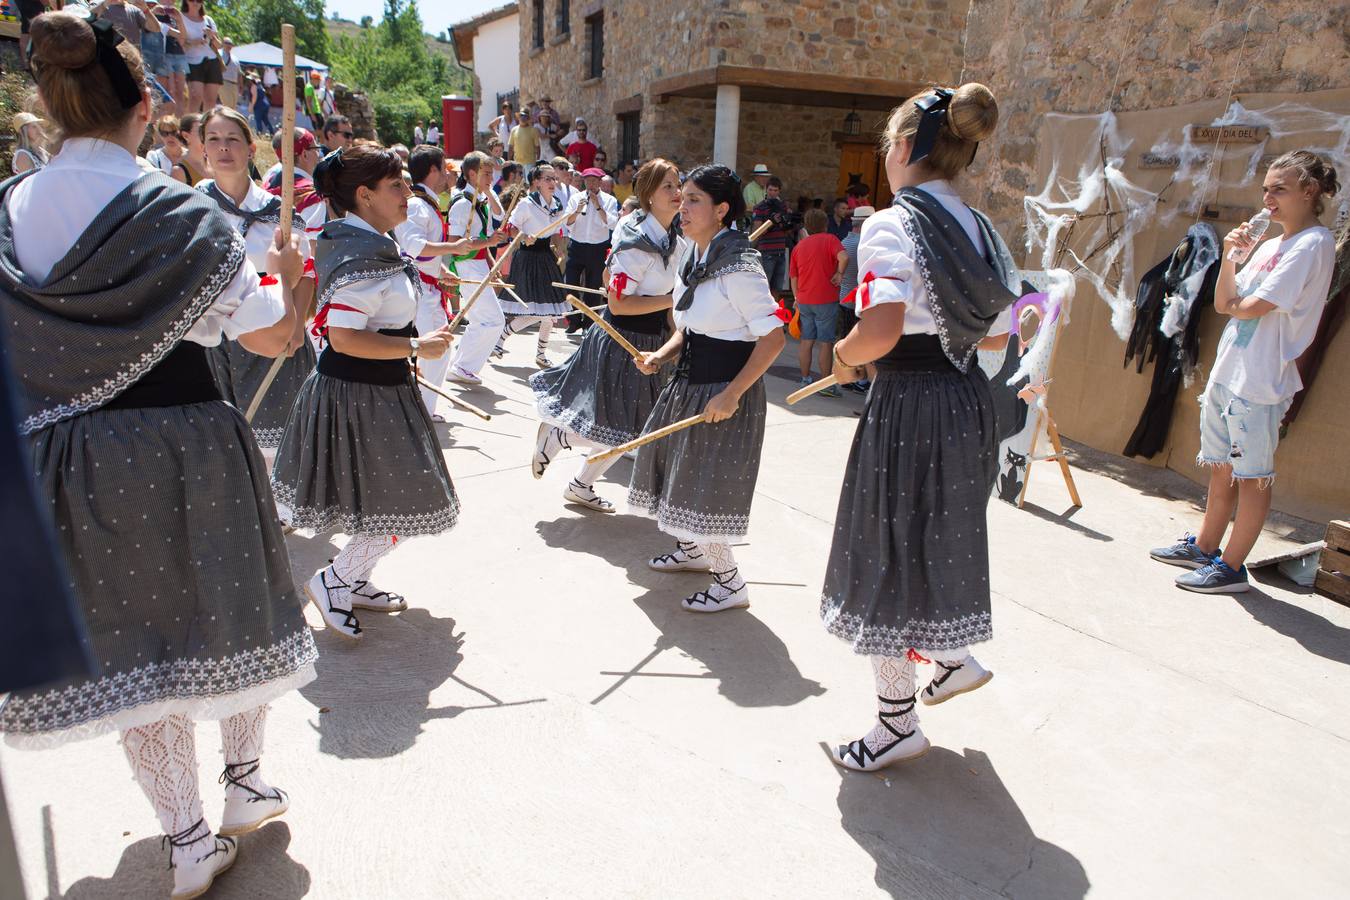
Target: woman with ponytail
359,452
908,574
114,287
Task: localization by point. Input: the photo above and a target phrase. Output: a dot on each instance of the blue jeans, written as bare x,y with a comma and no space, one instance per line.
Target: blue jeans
152,53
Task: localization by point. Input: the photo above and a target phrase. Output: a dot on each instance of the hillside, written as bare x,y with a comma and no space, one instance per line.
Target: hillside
460,82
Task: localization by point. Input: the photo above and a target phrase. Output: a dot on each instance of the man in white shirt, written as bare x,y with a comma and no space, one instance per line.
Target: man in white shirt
588,237
572,135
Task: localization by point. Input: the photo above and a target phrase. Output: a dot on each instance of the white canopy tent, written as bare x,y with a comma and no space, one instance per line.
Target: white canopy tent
261,53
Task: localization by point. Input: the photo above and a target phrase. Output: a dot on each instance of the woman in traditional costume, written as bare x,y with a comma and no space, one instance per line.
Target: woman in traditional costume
699,482
359,451
113,286
255,214
534,267
596,400
908,573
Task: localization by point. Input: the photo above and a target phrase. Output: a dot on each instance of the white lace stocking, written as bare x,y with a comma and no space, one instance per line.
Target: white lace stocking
241,742
357,560
895,694
590,472
545,329
726,575
163,758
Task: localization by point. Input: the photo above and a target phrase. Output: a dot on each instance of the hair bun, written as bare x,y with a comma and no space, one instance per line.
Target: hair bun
973,114
64,40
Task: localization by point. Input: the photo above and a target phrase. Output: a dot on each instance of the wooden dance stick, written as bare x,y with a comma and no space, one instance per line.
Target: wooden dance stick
814,387
577,287
467,407
759,232
497,267
609,329
287,187
646,439
494,284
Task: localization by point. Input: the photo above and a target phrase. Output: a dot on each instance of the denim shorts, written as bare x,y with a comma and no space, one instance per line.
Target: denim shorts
1238,433
152,53
818,320
176,63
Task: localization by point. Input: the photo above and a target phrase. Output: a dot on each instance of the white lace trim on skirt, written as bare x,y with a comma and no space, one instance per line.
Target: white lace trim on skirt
888,640
688,524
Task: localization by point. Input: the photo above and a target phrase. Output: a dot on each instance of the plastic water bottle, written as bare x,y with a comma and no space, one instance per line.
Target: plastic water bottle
1256,229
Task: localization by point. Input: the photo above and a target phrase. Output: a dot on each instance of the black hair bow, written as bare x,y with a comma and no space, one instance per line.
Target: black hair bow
933,108
332,161
107,38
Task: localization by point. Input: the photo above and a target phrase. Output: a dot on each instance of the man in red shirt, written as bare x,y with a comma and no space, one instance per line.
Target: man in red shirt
582,151
816,268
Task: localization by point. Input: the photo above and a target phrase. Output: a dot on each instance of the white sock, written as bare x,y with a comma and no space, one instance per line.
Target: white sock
590,472
241,742
895,694
545,329
357,560
726,575
163,758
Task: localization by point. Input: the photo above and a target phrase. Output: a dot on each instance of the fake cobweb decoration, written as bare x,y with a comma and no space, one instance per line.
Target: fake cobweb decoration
1088,213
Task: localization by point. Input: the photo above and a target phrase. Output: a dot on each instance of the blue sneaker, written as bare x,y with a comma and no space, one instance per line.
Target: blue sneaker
1183,553
1215,578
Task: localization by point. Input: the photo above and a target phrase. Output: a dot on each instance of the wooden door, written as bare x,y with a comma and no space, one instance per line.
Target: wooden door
862,162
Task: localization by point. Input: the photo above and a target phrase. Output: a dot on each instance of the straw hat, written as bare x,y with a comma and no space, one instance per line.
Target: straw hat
23,119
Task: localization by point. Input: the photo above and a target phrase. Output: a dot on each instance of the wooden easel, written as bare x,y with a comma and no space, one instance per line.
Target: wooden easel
1046,420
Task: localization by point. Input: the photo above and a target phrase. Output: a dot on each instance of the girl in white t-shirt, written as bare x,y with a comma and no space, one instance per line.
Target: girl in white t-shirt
1275,304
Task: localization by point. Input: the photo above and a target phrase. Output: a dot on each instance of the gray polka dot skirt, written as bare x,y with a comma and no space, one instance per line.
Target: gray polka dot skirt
598,393
698,483
363,459
240,373
173,548
909,564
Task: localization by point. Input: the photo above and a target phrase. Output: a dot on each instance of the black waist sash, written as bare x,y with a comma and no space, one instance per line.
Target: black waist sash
182,377
368,371
709,360
916,353
540,245
642,323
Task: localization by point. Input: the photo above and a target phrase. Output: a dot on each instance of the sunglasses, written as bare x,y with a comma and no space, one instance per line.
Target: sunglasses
347,134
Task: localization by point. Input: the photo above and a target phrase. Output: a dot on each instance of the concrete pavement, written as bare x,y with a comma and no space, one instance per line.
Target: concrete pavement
546,721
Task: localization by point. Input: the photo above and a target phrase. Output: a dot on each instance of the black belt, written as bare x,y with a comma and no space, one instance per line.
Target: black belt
916,353
182,377
541,245
368,371
709,360
642,323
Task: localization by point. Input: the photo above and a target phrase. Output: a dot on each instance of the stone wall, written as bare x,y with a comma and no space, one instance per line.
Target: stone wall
1166,53
356,106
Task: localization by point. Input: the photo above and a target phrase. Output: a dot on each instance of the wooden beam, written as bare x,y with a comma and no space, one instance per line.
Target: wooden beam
628,105
782,86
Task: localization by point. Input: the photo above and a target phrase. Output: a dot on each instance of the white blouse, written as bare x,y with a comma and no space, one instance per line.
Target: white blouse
55,206
260,234
735,307
887,252
647,275
531,218
389,302
422,227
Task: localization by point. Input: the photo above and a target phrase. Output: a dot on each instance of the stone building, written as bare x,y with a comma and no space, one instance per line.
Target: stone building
741,81
489,44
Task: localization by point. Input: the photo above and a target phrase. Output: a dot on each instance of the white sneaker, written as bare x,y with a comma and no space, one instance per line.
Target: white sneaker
724,593
586,496
332,598
249,812
950,680
686,558
859,758
367,596
193,875
459,376
549,441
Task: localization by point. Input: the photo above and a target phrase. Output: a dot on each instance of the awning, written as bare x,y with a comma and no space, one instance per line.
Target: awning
262,53
780,86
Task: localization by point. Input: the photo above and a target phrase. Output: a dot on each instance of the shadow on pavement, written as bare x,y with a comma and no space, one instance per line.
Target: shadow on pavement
751,664
953,812
262,869
1065,519
1314,633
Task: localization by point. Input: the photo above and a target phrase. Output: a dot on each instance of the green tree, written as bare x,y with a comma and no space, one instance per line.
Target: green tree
261,20
391,61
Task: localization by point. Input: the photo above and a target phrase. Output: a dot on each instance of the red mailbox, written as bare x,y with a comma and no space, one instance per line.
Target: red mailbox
457,125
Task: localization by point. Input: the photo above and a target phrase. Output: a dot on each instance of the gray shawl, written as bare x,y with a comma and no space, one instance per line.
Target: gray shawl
345,254
148,267
967,290
270,213
631,236
730,251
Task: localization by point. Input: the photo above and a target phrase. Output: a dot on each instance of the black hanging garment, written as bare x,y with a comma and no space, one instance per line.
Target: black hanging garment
1184,280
